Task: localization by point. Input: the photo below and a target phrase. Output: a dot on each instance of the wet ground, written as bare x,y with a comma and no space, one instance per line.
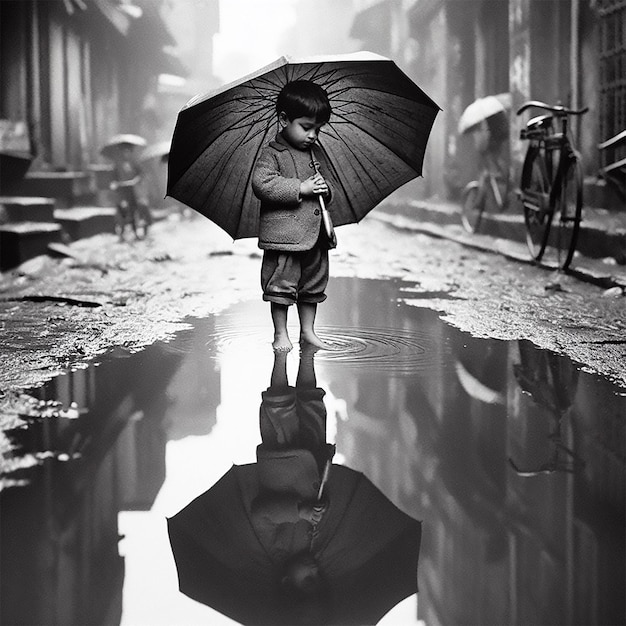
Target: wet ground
512,457
64,311
481,397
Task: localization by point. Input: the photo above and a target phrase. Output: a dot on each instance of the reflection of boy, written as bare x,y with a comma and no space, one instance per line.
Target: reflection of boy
290,465
295,261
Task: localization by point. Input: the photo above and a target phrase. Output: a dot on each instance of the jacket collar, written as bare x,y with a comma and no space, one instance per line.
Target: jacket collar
280,143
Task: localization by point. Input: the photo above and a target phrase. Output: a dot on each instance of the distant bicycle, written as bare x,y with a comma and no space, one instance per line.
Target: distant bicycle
552,182
491,186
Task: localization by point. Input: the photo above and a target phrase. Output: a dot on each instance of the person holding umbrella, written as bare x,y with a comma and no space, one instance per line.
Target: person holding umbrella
287,182
128,174
367,125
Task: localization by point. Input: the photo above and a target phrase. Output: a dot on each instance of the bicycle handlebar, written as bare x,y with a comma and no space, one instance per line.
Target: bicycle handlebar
558,109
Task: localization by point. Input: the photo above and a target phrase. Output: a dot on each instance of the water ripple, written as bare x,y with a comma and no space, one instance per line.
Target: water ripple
392,350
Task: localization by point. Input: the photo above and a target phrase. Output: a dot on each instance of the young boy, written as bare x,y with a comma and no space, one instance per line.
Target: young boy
295,259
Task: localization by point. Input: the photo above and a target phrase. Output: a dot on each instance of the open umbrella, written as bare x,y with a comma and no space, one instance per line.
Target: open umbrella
366,548
113,145
482,109
159,150
375,139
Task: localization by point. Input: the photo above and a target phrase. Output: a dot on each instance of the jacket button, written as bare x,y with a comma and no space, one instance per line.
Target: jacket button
316,212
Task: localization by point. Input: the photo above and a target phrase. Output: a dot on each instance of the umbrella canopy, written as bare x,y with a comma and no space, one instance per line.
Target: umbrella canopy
366,548
483,108
375,139
112,147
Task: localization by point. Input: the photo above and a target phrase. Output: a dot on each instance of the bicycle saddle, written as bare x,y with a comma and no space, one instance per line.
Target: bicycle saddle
540,121
536,127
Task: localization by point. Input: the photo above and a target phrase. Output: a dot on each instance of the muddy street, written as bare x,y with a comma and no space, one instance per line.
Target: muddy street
62,312
481,397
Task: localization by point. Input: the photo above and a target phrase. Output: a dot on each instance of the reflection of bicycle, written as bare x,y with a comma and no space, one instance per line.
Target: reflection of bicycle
552,182
490,187
551,380
131,211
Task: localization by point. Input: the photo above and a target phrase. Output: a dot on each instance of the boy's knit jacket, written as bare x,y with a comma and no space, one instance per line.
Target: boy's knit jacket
287,222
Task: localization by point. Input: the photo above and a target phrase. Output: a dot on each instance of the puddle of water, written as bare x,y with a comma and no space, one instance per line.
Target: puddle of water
512,457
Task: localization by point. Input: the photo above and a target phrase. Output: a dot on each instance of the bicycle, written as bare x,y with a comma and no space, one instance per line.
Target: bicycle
479,193
551,182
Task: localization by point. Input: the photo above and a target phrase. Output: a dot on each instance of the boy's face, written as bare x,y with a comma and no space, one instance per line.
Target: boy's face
300,132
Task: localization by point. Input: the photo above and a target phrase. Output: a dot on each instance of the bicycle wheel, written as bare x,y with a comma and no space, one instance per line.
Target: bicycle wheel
569,211
472,205
535,189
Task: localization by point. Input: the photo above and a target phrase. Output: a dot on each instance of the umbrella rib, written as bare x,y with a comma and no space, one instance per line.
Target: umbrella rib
250,172
345,120
359,157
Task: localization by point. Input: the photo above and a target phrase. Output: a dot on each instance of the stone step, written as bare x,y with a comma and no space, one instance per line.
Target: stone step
21,241
26,209
64,187
598,192
81,222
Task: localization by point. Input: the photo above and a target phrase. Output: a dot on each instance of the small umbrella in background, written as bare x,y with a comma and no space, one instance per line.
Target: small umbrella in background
374,142
482,109
111,149
159,151
366,548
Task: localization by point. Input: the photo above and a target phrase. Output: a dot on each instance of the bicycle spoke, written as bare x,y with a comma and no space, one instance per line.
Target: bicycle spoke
537,216
569,213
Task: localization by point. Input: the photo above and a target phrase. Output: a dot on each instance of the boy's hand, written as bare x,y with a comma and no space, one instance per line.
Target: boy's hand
113,185
312,511
313,185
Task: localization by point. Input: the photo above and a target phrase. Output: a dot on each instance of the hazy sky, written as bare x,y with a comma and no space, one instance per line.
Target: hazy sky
250,35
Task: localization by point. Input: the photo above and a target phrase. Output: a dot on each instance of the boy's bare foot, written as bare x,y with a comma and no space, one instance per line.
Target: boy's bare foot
281,343
312,339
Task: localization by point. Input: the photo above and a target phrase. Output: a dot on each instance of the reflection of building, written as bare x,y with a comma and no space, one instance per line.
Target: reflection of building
60,558
498,547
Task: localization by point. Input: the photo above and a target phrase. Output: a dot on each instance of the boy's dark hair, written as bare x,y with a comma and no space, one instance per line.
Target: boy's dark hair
304,98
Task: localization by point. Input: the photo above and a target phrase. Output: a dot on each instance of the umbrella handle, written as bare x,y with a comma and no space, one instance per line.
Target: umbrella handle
328,223
324,480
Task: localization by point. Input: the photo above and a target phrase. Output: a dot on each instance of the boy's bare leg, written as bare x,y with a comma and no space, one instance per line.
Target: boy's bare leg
307,311
281,341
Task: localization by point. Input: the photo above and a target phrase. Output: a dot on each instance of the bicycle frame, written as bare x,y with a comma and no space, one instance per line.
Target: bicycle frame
545,189
559,143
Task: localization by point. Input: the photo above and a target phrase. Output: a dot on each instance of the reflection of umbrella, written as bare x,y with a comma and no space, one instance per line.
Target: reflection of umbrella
111,148
482,109
158,150
375,139
366,548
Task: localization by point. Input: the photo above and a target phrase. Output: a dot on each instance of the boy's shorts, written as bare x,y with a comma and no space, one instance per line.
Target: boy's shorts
290,277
